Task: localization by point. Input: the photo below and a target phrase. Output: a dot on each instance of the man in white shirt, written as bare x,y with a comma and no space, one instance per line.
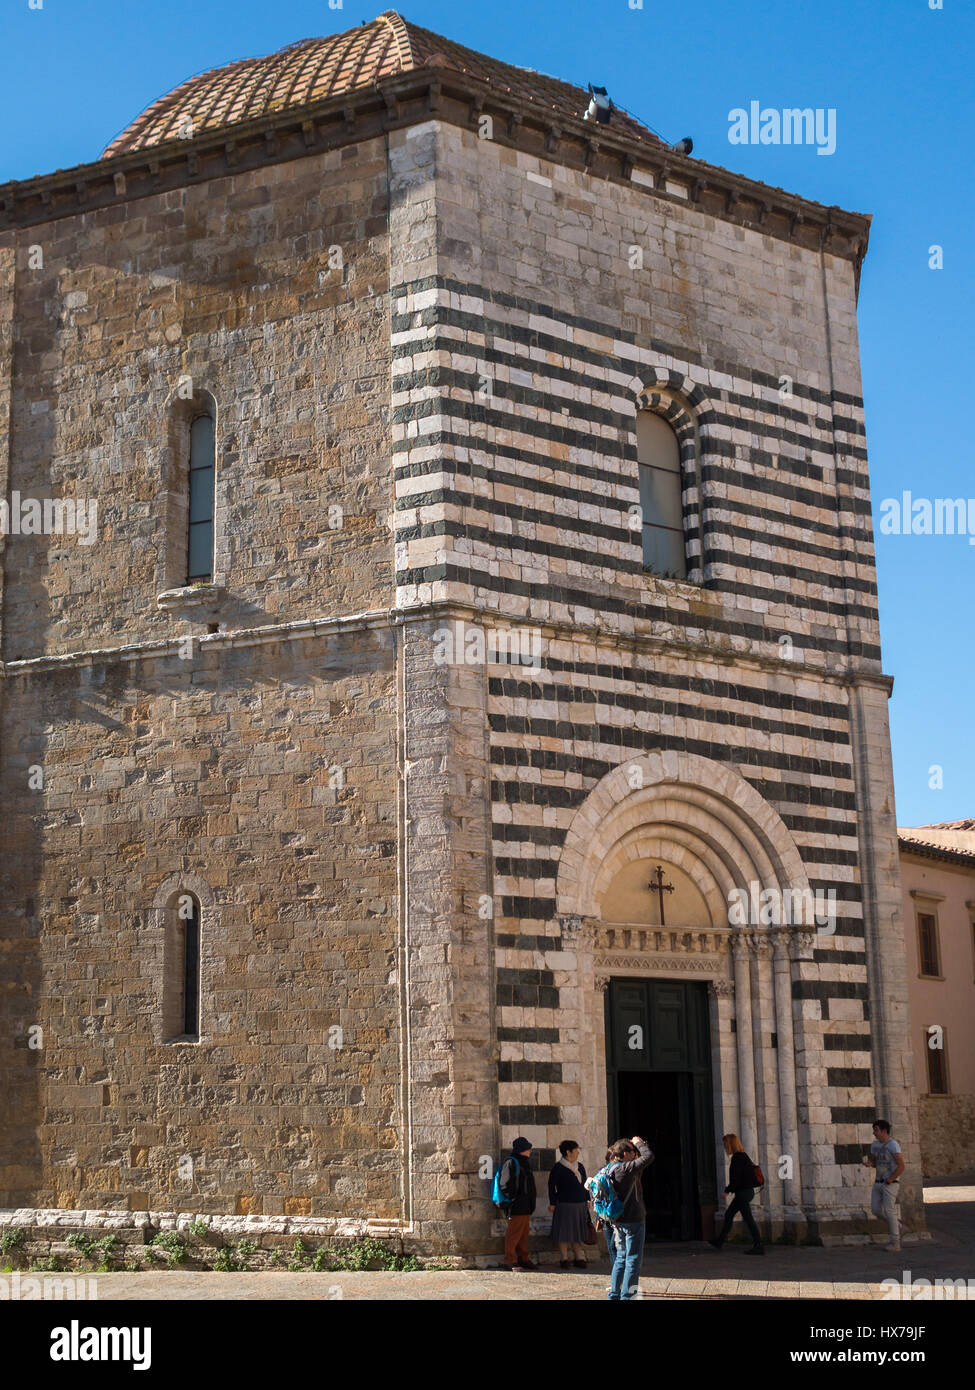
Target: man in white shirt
886,1159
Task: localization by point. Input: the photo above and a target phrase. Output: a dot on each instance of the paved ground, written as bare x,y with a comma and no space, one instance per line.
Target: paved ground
689,1270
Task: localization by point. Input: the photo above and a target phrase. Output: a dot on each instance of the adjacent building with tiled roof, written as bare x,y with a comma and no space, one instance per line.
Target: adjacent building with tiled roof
949,839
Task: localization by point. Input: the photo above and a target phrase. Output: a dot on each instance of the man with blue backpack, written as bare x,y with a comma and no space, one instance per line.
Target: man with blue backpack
617,1199
514,1195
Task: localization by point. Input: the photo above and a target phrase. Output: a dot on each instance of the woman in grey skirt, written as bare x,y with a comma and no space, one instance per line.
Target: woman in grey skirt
569,1205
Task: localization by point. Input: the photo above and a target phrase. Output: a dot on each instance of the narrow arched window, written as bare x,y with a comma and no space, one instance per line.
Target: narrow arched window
200,540
181,989
658,453
191,972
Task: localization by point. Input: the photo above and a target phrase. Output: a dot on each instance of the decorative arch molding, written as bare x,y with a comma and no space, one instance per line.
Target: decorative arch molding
676,396
672,409
183,883
202,402
685,805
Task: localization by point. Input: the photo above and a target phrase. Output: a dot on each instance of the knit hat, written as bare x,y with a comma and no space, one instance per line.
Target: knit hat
521,1145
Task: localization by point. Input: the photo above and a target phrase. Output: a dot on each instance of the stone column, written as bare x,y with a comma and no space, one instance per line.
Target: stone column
811,1089
883,923
583,1106
724,1070
769,1141
600,1113
788,1107
747,1118
449,1086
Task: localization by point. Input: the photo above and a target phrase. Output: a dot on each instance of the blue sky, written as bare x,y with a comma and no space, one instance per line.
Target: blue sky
75,72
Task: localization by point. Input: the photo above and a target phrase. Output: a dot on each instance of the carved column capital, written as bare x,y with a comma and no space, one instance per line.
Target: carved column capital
575,928
720,989
781,944
741,944
802,944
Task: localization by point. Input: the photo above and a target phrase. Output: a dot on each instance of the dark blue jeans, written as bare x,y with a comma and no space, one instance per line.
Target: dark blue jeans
742,1199
627,1251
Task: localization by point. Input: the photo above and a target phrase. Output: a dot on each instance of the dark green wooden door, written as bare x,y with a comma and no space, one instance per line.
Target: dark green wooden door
658,1071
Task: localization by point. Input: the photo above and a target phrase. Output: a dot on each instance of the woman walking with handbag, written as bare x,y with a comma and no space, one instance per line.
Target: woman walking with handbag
743,1177
569,1204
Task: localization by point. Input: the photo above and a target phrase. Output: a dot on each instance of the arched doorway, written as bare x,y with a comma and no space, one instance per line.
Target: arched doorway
716,1002
658,1051
658,1085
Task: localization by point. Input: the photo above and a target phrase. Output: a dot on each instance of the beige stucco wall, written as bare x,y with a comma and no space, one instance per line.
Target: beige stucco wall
948,892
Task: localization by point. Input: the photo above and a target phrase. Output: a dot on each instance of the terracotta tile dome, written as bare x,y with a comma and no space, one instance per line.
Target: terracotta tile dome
315,69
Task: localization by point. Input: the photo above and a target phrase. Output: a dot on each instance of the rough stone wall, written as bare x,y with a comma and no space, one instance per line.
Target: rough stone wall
216,775
8,271
260,771
947,1135
519,361
228,284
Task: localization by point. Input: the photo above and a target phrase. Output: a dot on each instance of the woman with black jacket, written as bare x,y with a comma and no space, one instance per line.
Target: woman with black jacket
741,1182
568,1201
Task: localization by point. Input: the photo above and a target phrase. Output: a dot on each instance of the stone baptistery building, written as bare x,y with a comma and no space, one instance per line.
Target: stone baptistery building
442,695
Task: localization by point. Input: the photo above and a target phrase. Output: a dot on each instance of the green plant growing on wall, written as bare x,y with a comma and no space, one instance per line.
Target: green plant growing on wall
371,1253
13,1239
298,1255
84,1245
173,1243
106,1248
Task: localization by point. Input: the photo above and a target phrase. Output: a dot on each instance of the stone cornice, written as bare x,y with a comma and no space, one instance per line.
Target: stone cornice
638,938
445,609
637,965
458,99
